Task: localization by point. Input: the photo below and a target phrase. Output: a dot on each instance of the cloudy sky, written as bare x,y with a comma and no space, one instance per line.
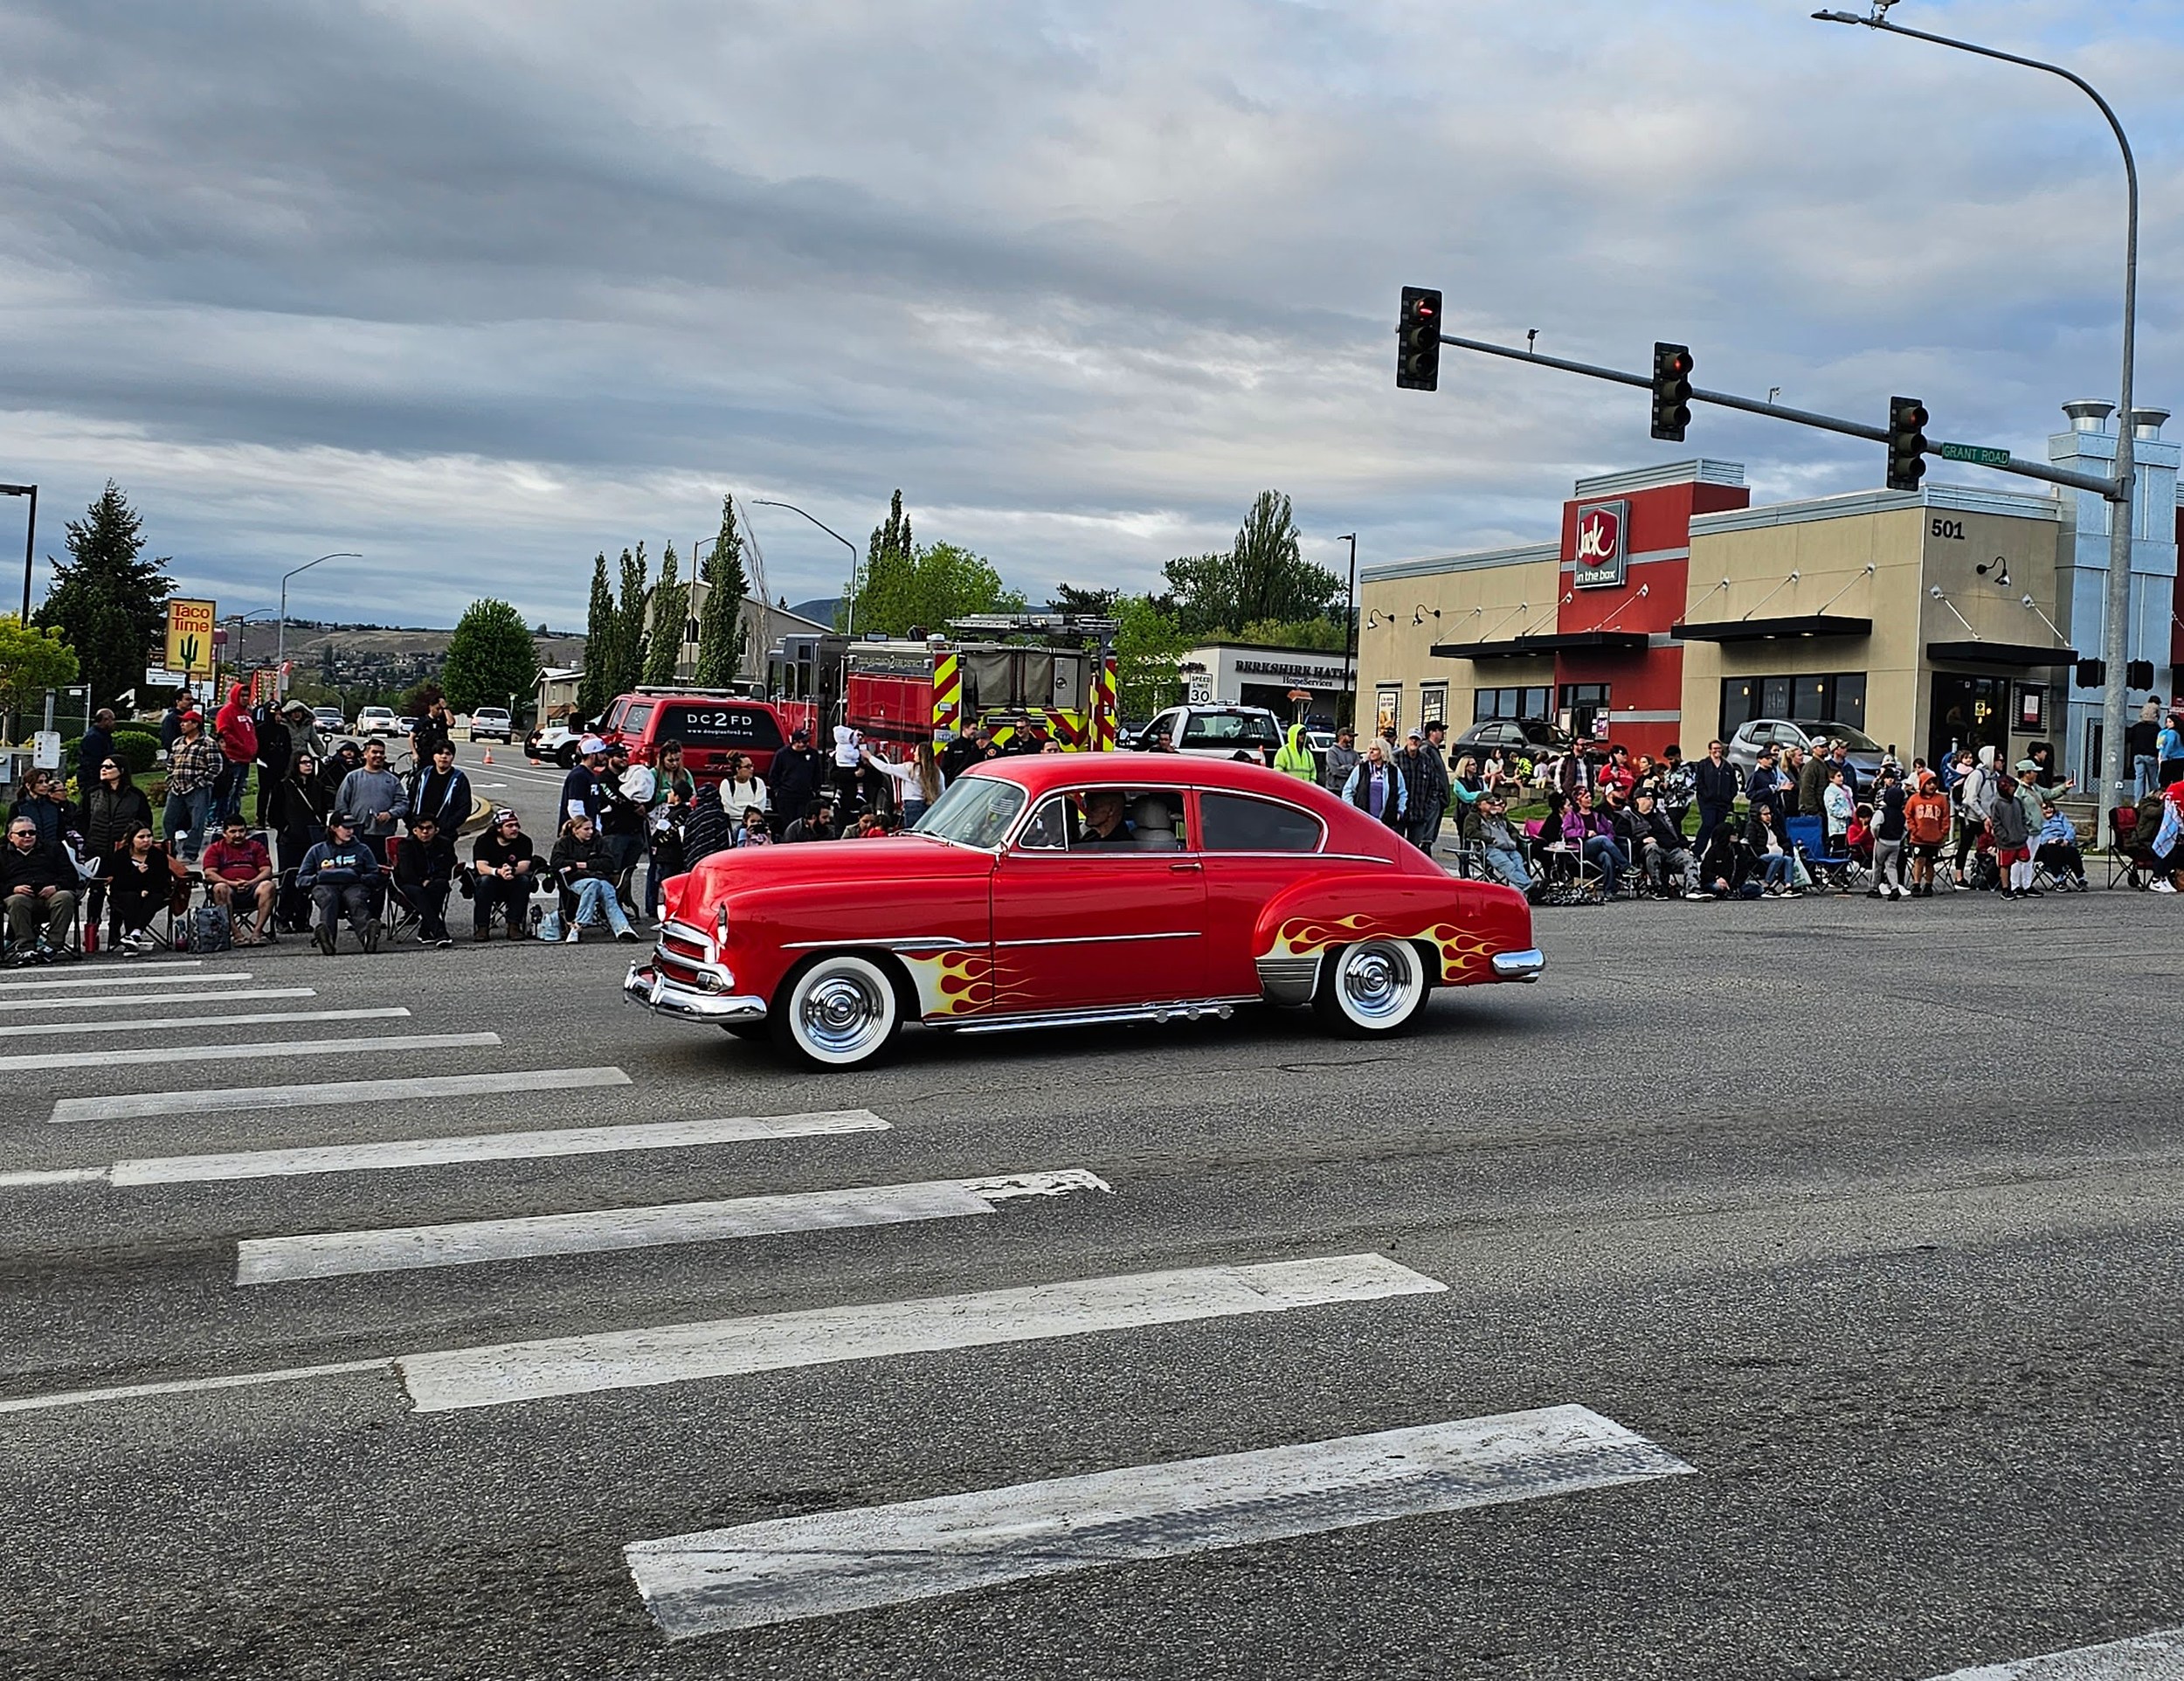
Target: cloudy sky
480,287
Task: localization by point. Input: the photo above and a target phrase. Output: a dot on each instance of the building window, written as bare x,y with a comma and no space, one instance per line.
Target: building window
1830,698
1390,708
1488,704
1432,704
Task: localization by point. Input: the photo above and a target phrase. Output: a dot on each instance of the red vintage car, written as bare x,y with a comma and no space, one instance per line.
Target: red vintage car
1054,890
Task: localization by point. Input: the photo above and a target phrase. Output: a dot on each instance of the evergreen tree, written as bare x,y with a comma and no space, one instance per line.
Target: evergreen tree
670,618
108,603
883,594
490,659
593,693
630,640
720,621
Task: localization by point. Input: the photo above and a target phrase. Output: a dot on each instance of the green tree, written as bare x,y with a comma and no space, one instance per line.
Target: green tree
1097,603
592,694
31,662
670,618
1148,648
417,698
108,603
630,640
1264,576
721,620
882,595
490,658
1323,635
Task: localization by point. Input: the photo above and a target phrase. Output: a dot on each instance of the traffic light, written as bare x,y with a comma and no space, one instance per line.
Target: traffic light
1906,442
2092,674
2138,674
1671,391
1418,341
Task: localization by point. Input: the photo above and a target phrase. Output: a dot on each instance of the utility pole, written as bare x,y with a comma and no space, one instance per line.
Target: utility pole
1350,629
29,540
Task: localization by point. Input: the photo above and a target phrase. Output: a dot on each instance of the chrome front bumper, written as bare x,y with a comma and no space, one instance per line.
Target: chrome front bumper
1519,966
647,986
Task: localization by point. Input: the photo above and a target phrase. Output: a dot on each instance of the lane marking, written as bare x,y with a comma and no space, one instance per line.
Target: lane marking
481,1146
158,1000
187,1386
462,1243
243,1099
138,977
270,1048
2146,1657
495,1376
145,1024
828,1562
52,1176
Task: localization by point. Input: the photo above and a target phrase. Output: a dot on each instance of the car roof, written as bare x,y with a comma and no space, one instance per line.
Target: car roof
1040,773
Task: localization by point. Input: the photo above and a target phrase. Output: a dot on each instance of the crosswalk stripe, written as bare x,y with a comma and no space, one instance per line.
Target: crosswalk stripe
145,1024
481,1146
460,1243
674,1353
186,1386
268,1049
2146,1657
138,977
244,1100
158,1001
827,1562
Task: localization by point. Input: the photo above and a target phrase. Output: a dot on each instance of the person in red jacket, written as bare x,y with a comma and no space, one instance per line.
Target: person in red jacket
237,737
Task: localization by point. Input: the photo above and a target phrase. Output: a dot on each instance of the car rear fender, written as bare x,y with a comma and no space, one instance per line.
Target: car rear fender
1458,926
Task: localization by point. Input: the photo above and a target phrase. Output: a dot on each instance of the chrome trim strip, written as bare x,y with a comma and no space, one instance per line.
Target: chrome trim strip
650,990
1101,939
1519,966
915,943
1288,981
1188,1010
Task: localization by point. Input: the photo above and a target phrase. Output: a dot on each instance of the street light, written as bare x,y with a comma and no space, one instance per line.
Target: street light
29,540
280,636
1350,627
849,625
2117,642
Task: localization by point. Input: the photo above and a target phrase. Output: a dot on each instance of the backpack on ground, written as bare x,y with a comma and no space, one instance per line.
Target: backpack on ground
209,929
1986,873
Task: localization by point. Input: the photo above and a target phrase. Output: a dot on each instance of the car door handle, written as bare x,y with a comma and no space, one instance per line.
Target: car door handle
1186,864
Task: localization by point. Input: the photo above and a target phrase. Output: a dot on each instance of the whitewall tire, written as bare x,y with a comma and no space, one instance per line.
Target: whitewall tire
837,1011
1373,987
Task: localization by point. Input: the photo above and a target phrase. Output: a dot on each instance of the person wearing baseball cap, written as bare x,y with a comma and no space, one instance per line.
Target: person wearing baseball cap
340,874
505,865
583,791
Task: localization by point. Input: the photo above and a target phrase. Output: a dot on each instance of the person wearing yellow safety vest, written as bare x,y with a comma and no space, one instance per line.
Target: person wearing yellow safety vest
1294,757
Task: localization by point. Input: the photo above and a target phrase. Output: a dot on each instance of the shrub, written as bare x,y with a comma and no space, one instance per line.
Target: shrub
135,749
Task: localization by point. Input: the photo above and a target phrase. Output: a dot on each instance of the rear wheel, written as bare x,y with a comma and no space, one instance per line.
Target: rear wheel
1372,988
837,1011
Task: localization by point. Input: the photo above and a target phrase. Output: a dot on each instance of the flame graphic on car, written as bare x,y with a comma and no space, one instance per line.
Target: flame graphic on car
962,982
1462,951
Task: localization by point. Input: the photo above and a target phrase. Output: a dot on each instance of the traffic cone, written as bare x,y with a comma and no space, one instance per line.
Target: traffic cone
488,755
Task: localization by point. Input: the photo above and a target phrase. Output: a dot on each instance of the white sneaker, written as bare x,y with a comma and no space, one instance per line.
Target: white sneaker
569,938
2161,886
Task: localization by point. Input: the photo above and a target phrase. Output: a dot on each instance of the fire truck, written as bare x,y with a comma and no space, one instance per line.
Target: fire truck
1051,672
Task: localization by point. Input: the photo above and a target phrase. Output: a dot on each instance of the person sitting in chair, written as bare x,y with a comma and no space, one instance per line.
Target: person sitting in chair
504,866
424,871
142,878
338,874
585,869
40,882
239,873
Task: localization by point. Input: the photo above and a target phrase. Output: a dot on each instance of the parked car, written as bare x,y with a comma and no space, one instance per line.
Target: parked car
1535,738
492,724
378,721
1218,731
329,719
405,725
712,728
1865,753
1049,890
557,742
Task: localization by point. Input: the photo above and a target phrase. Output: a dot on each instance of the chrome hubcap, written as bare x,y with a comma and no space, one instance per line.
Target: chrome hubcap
1377,984
842,1013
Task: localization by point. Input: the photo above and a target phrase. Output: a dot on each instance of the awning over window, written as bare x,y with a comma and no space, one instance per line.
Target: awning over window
1528,647
1772,630
2000,654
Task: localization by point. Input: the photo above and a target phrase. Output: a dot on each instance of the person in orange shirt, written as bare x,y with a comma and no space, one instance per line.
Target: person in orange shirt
1926,818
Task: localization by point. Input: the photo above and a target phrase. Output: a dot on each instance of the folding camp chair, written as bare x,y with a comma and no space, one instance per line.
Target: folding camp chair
2129,856
1828,866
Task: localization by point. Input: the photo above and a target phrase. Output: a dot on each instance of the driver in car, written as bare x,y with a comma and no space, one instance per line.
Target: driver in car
1104,824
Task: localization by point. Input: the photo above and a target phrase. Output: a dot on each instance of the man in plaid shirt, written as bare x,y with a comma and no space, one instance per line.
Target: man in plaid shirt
194,766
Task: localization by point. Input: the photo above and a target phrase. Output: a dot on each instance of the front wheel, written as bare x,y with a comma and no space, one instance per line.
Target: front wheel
1369,989
838,1011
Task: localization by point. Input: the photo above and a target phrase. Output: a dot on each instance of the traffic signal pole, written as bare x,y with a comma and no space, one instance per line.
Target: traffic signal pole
1964,454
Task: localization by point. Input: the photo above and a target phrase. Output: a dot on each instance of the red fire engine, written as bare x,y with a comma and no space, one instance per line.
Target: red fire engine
1054,673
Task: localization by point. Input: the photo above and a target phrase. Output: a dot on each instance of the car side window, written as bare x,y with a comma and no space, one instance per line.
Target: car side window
1050,827
1107,820
1236,823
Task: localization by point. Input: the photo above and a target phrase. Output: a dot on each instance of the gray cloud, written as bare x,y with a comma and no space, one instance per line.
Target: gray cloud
481,289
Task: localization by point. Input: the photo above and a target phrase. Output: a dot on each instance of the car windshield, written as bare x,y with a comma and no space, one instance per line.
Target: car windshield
1221,728
1856,740
974,812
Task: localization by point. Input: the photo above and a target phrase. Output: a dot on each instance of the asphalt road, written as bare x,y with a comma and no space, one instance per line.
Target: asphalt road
1867,1214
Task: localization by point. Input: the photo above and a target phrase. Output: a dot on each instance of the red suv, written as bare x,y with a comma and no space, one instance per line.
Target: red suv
712,728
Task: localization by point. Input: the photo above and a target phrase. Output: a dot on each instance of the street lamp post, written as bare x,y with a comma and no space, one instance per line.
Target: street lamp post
1350,629
850,625
30,539
280,636
2116,644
